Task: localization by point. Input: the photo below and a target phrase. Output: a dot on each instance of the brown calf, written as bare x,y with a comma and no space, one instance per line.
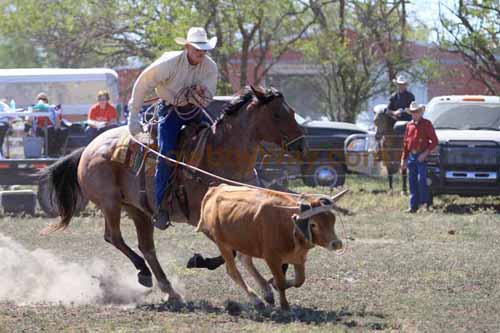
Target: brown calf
260,223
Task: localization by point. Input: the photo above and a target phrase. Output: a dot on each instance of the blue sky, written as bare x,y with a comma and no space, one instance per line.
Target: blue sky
427,11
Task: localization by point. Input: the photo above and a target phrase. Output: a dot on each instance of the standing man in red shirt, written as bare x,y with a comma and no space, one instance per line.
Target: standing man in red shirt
419,140
102,116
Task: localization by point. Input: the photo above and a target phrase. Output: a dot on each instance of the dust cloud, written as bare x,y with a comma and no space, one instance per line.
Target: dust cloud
39,276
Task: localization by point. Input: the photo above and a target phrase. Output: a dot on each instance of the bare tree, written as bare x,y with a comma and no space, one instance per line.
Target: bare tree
473,32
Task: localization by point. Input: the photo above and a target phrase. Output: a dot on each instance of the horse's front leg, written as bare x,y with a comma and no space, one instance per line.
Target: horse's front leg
112,235
145,231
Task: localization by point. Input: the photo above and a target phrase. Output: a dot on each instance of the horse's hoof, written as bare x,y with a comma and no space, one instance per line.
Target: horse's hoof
259,305
145,280
196,261
285,307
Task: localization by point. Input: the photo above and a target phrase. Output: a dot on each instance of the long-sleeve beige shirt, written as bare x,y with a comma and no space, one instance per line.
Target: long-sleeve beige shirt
171,73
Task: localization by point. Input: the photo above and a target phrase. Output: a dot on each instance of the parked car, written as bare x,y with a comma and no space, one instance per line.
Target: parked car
467,159
323,162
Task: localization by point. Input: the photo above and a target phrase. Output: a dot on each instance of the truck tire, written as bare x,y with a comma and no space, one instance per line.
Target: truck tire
324,173
16,202
47,203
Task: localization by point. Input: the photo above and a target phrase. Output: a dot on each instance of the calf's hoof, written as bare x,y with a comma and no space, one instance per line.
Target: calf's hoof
285,306
196,261
145,279
269,297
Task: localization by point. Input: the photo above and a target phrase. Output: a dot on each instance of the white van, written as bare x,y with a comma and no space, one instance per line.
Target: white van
74,88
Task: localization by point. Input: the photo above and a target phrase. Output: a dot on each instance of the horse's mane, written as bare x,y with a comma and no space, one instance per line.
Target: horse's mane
246,95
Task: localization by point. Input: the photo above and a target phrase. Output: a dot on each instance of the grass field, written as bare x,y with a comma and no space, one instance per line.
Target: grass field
429,272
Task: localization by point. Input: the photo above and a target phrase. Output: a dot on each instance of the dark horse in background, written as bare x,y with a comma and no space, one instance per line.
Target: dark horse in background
390,139
231,150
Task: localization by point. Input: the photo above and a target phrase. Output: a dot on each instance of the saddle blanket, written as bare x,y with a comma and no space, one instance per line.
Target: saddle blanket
130,154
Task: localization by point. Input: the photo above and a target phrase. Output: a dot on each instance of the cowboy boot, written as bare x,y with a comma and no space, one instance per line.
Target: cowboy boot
161,219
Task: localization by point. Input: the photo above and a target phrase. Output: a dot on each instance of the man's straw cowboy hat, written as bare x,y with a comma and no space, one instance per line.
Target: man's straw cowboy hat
197,37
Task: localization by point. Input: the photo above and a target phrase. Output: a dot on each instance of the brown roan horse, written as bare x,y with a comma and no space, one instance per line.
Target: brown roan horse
231,150
390,145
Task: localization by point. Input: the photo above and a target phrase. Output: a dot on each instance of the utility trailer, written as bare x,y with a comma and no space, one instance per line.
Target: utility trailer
23,172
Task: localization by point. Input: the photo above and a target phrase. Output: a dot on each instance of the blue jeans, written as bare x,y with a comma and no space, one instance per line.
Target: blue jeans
168,133
417,176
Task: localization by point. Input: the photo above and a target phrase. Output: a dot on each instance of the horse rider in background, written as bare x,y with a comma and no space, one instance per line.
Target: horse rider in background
401,99
185,81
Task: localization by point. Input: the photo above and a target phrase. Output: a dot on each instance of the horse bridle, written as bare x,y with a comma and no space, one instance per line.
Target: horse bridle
283,137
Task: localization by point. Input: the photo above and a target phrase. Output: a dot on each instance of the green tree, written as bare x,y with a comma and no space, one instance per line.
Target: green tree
72,33
17,52
254,33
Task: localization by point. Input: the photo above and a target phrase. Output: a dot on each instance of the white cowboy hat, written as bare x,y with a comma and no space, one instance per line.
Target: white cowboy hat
416,107
197,37
400,79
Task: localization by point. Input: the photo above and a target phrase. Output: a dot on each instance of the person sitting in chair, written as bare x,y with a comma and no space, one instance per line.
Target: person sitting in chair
102,116
50,125
185,81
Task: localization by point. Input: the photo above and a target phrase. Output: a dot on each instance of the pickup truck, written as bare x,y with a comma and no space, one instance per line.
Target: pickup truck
467,159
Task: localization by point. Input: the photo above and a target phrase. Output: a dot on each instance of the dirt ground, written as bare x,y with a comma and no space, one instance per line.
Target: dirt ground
429,272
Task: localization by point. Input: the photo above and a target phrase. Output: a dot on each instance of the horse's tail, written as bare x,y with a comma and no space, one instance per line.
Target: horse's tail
63,188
